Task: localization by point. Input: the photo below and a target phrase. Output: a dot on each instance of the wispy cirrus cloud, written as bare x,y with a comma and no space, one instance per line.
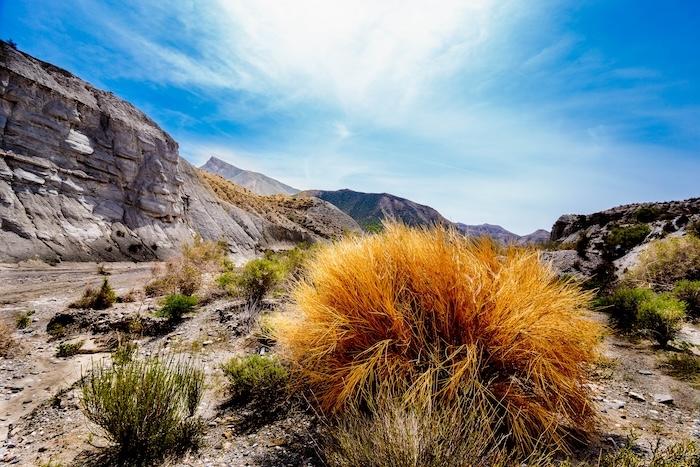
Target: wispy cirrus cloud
507,112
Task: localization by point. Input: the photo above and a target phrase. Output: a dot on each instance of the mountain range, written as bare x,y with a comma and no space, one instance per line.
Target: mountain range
369,209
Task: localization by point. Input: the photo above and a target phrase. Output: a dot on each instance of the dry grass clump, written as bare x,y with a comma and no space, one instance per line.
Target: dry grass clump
428,436
184,274
96,299
7,342
666,262
434,316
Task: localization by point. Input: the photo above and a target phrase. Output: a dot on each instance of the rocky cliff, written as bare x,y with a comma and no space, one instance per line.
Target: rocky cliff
84,175
608,242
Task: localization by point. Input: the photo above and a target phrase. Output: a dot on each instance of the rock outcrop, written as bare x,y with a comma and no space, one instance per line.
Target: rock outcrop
85,175
608,242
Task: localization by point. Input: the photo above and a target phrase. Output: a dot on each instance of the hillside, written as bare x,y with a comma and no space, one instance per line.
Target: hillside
85,175
368,209
256,182
609,241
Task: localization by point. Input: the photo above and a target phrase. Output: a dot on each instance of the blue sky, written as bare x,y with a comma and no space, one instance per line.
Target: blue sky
507,112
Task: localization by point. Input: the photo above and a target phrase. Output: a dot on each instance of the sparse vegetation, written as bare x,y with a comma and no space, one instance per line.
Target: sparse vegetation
102,270
68,349
667,261
146,407
99,299
436,318
23,320
661,316
622,239
176,305
257,378
184,274
689,293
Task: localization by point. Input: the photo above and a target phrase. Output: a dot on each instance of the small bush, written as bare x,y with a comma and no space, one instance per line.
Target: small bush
685,366
23,320
435,317
124,353
257,278
102,270
693,228
622,239
99,299
68,349
146,407
623,305
689,293
667,261
176,305
256,378
582,245
661,316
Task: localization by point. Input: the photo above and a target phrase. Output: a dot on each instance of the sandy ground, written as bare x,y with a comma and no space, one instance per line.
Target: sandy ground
40,418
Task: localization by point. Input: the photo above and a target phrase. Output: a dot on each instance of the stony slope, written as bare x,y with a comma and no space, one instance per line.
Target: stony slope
253,181
368,209
608,241
85,175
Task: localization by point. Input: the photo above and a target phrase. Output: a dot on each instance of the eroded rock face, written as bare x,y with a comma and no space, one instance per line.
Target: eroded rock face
85,175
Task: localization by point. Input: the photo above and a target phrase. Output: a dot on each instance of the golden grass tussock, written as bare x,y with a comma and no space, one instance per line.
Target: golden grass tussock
7,342
431,315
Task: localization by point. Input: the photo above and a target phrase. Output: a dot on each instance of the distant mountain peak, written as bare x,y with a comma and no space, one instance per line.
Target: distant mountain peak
254,181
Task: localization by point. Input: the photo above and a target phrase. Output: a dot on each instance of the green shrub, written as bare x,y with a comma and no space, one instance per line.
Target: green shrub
667,261
257,278
685,366
256,378
68,349
124,353
226,280
23,320
146,407
622,239
693,228
647,214
623,305
661,316
99,299
689,293
176,305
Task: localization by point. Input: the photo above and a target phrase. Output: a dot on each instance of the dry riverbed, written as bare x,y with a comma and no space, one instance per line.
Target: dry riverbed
41,422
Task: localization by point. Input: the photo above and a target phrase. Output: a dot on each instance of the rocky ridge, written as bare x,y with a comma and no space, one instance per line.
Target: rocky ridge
256,182
85,175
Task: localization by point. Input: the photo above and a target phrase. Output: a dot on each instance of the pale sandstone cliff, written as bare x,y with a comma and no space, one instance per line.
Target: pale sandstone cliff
85,175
